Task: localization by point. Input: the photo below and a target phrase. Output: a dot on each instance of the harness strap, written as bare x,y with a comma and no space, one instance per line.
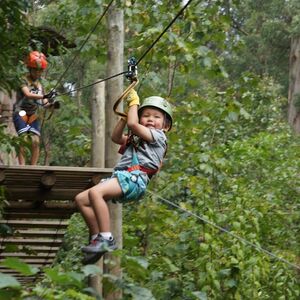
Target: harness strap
135,165
149,172
29,119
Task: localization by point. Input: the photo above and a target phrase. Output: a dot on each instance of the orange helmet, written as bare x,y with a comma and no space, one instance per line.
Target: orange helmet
36,60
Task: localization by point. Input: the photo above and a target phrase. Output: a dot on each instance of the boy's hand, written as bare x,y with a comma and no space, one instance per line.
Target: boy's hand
132,98
50,95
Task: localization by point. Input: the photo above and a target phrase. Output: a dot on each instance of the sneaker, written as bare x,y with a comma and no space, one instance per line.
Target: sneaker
91,258
99,244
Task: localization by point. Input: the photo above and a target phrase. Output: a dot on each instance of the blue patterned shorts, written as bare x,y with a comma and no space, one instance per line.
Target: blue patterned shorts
132,184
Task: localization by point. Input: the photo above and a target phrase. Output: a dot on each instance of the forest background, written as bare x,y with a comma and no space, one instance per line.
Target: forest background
233,157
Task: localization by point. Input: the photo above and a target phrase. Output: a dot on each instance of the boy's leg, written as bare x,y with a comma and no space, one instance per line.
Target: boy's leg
98,195
35,149
21,128
87,212
21,156
35,138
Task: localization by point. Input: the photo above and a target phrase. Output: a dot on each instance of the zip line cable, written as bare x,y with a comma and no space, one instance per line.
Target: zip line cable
96,82
164,31
256,247
143,55
84,42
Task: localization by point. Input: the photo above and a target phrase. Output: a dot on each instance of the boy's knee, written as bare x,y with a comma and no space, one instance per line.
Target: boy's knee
77,200
35,140
94,194
91,193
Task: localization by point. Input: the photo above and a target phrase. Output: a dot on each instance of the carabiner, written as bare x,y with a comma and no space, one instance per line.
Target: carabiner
132,69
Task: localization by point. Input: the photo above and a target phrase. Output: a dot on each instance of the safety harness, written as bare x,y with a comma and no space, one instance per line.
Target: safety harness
135,165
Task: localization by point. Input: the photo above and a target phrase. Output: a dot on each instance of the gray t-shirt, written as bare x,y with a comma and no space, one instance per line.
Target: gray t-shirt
150,155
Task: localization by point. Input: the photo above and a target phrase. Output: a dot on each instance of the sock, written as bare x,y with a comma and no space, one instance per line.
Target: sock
106,235
94,236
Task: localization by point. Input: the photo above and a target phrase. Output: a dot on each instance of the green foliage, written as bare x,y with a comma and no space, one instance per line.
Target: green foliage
185,257
69,257
72,148
232,159
8,143
265,29
19,266
14,39
57,284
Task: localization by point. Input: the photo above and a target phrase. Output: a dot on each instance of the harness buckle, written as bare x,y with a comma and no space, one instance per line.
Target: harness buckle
134,178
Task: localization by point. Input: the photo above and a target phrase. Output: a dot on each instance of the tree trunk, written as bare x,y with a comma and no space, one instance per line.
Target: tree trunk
114,87
98,125
294,86
171,75
98,153
6,111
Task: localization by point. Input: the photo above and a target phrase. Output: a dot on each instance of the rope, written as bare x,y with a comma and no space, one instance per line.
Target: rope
256,247
84,42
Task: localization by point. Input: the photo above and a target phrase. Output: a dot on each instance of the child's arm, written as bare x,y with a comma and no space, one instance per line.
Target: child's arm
34,96
117,135
30,95
134,125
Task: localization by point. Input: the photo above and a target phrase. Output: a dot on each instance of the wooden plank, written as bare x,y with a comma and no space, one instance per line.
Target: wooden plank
35,223
39,233
38,265
25,255
57,168
22,241
36,213
66,206
33,261
36,194
33,248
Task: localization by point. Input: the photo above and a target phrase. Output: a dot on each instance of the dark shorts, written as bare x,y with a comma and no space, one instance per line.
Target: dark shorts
24,127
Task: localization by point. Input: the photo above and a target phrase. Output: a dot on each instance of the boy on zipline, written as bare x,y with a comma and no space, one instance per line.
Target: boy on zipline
29,96
142,155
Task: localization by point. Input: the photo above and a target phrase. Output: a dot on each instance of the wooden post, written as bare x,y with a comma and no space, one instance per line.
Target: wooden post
98,125
6,112
98,153
114,87
294,86
48,180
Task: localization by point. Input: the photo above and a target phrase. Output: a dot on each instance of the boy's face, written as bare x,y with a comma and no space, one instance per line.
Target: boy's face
152,118
35,73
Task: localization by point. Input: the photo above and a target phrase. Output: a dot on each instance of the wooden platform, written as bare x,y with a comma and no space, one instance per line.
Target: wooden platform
40,200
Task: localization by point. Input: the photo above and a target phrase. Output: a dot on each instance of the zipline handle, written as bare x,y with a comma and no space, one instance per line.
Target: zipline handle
134,82
131,75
